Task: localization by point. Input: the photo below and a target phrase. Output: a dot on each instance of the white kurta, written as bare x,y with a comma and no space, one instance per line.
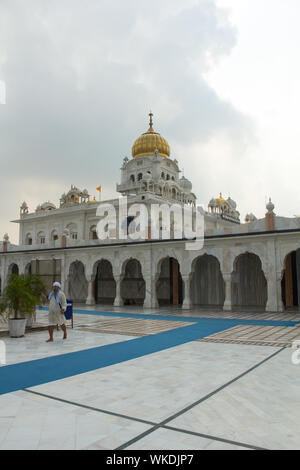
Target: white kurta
55,317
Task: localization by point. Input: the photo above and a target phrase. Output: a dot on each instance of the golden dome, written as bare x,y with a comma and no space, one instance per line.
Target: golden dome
148,142
221,201
93,201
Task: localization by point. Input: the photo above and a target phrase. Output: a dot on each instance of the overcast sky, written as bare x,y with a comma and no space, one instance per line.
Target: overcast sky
221,77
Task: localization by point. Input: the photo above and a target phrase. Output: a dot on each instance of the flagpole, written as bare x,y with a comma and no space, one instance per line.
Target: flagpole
99,189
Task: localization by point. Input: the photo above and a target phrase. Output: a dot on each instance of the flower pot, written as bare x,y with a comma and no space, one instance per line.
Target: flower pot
17,327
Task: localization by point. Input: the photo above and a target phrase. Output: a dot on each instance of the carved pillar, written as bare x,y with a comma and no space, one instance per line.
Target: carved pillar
227,307
90,297
271,305
289,294
22,267
280,305
175,281
66,290
118,302
148,293
154,299
187,303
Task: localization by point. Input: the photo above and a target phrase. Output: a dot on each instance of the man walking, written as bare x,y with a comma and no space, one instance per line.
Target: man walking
57,307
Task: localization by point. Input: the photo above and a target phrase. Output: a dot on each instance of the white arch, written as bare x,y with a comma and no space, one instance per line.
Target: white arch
72,260
162,257
126,261
81,289
10,267
98,261
252,250
206,253
285,251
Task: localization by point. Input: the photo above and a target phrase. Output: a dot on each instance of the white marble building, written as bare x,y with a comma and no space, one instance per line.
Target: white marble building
241,265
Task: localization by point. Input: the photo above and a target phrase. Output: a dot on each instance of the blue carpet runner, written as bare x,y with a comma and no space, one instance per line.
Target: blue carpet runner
40,371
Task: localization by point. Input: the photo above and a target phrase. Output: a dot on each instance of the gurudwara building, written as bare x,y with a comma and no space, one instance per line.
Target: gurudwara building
255,264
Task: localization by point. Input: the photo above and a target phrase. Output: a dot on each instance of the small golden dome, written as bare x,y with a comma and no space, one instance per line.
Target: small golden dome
221,201
148,142
93,201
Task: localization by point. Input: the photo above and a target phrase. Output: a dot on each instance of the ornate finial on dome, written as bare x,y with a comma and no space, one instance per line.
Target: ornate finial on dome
24,208
148,142
270,206
220,200
151,122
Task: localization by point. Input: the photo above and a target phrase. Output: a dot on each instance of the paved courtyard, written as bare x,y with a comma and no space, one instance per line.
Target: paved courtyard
130,378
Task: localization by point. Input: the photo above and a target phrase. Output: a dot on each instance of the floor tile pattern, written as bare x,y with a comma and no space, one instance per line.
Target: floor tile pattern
257,335
226,391
133,327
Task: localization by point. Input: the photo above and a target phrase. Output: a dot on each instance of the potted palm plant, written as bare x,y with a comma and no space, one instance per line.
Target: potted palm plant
20,297
38,288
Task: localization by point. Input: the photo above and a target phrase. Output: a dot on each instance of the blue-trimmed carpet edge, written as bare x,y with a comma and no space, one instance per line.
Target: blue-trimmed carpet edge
40,371
148,316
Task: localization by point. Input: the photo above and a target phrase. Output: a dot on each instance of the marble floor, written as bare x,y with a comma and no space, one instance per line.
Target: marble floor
236,388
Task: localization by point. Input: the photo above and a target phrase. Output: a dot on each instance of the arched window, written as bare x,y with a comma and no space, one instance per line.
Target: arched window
54,235
93,233
73,231
163,175
140,176
28,239
168,177
132,178
41,238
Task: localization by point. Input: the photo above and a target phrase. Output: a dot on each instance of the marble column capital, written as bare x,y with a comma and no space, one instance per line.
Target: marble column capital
279,276
227,276
186,277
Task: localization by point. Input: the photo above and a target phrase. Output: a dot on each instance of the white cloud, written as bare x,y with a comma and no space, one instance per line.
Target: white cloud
260,77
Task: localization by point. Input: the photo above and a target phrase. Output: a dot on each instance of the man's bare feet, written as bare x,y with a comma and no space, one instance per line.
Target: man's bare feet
50,340
63,327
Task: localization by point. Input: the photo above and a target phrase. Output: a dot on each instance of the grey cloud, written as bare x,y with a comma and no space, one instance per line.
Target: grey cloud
81,77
